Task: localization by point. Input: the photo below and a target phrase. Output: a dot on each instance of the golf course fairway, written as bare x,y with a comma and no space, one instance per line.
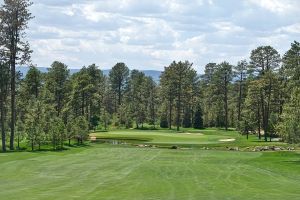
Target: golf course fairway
105,171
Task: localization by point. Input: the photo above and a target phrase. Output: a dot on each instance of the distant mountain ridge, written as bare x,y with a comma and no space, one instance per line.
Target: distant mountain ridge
152,73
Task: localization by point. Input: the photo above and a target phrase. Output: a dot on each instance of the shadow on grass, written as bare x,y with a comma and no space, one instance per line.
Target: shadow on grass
296,162
100,131
146,128
121,140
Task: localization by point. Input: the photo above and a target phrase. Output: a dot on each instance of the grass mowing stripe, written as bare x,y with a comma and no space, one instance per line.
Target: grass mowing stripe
103,171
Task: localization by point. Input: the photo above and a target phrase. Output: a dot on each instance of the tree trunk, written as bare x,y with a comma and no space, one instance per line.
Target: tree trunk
3,135
82,105
178,104
19,141
268,107
258,122
263,114
178,113
62,144
178,110
119,94
226,103
240,98
53,143
170,113
105,124
13,102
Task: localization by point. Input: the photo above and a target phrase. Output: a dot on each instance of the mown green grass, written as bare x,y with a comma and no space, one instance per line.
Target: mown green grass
104,171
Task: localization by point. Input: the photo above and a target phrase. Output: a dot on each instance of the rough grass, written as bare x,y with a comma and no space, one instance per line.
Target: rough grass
103,171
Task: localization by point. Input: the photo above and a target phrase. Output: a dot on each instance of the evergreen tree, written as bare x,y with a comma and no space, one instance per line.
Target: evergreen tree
4,92
152,100
164,121
291,62
289,127
177,83
222,78
265,59
198,120
34,123
82,129
58,86
187,119
15,16
241,73
118,77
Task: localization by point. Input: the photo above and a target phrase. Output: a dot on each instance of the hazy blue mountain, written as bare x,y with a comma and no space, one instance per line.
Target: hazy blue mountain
153,73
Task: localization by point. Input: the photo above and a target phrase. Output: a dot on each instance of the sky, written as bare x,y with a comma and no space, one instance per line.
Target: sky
150,34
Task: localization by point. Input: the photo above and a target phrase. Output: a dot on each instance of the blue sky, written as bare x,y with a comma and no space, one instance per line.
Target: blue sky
150,34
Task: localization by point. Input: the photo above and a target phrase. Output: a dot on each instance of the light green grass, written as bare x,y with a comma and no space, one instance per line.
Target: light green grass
160,137
104,171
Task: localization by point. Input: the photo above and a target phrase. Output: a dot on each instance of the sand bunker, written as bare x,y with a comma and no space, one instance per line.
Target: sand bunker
193,133
93,138
227,140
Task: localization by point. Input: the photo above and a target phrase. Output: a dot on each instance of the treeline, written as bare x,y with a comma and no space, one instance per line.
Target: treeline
261,95
258,96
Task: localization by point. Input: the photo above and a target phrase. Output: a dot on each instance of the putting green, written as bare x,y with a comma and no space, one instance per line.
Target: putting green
219,139
164,137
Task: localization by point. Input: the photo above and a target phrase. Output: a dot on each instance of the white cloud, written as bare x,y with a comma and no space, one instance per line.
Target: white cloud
226,27
294,28
151,34
278,6
90,12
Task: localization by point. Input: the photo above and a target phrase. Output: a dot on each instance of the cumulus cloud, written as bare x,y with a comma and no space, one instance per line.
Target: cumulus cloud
151,34
278,6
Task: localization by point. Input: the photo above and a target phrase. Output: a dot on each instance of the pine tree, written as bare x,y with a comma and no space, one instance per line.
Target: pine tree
164,121
187,118
289,127
4,92
265,59
15,16
118,77
198,119
58,86
177,83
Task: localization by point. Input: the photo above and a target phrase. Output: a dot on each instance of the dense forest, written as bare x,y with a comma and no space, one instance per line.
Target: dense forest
260,95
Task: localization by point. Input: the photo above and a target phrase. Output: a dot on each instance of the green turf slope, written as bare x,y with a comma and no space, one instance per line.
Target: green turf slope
104,171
